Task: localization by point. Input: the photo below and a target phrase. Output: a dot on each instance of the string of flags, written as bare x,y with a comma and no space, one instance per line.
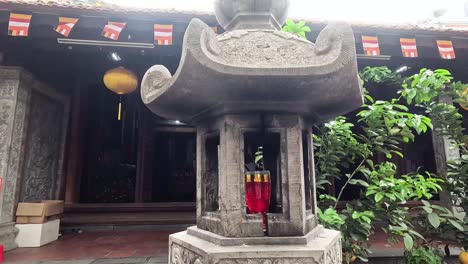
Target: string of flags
409,48
18,25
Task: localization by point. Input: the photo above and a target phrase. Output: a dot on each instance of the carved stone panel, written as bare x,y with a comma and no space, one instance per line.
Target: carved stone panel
14,99
43,148
15,160
182,255
269,261
334,254
211,173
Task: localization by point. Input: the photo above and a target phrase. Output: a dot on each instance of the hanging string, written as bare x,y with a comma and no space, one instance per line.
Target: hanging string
119,115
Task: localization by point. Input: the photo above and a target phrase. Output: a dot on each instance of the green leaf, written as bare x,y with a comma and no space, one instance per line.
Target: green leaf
456,225
258,158
379,196
434,219
427,209
414,233
408,240
426,203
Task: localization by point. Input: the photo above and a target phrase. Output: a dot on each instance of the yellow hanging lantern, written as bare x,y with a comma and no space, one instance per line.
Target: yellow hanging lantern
464,94
120,81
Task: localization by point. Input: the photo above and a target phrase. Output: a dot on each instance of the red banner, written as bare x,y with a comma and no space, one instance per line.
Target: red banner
66,25
18,25
371,45
409,48
163,34
112,30
446,49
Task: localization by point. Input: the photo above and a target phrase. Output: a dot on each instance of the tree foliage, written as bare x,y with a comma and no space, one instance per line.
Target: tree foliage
350,151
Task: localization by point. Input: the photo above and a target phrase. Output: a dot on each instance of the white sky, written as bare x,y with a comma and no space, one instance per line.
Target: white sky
377,11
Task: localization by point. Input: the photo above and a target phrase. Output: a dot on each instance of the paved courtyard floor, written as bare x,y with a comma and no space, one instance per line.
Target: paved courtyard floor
104,247
141,247
142,260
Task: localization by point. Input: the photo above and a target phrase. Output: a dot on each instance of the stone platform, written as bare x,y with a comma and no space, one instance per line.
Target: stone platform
197,246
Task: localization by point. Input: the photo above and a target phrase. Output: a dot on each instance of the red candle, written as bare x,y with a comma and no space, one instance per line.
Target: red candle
1,253
257,201
249,192
266,192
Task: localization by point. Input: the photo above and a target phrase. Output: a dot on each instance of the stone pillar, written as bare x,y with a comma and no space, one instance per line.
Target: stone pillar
31,149
15,96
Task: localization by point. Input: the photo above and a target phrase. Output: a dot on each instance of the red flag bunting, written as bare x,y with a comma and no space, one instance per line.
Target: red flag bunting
66,25
446,49
163,34
371,45
409,48
18,25
112,30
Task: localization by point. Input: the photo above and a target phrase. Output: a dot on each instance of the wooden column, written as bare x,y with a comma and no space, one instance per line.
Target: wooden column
75,146
140,173
143,183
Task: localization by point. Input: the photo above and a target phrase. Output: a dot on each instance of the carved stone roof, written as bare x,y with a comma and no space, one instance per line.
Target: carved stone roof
257,70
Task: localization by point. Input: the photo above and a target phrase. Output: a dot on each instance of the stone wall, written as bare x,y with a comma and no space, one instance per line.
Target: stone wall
32,134
43,159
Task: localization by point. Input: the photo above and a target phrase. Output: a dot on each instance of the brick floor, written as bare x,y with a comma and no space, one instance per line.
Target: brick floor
141,247
94,246
145,260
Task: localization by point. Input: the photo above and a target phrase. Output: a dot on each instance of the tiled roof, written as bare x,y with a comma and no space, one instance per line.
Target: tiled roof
94,7
98,6
86,5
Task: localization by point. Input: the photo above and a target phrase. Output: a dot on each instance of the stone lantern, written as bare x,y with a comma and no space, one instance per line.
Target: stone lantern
256,85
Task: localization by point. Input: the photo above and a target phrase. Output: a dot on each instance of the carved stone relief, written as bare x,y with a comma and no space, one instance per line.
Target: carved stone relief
14,97
269,261
211,175
43,148
334,254
8,234
181,255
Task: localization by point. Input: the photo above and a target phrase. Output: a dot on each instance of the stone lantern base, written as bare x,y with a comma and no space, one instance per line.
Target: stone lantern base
196,246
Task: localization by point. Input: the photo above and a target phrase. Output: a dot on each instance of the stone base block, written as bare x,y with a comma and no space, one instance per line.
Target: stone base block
8,233
323,247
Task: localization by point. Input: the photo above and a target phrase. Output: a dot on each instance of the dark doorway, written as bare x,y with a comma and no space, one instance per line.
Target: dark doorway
174,177
110,151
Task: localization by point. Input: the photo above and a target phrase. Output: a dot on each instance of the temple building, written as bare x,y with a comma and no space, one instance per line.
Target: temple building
65,136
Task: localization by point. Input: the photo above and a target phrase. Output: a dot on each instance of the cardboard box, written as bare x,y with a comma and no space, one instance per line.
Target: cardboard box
37,235
38,212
